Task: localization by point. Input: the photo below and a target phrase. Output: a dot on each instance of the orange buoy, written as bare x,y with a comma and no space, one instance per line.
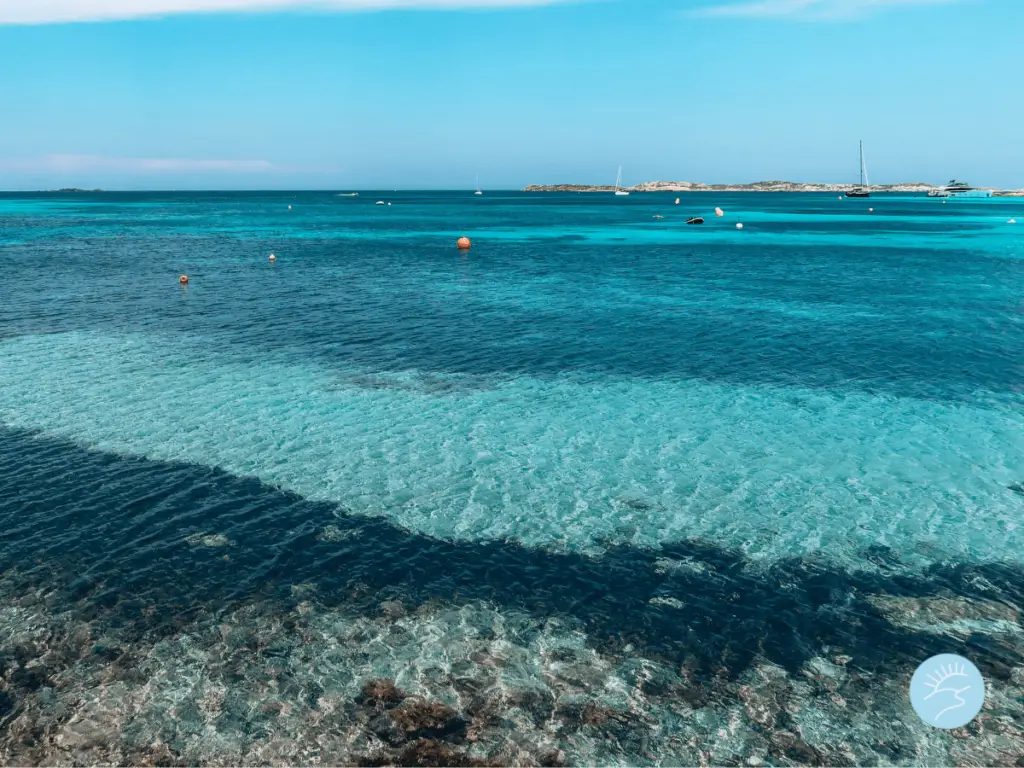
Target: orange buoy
719,212
464,243
183,279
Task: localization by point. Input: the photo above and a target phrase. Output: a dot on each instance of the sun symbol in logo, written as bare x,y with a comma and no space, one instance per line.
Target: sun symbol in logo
938,682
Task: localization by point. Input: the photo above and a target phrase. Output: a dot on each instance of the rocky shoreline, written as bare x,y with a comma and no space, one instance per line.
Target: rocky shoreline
757,186
301,676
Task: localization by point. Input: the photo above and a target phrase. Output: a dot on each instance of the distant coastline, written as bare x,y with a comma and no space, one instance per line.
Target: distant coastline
647,186
757,186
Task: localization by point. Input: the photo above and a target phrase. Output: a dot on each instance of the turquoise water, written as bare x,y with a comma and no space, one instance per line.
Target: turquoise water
718,412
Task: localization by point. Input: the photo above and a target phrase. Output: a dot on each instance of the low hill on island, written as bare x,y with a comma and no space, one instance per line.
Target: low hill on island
757,186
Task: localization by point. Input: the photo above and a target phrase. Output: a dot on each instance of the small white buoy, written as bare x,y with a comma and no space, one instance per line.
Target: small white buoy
1012,221
273,257
289,207
677,201
389,203
871,210
739,225
840,197
719,212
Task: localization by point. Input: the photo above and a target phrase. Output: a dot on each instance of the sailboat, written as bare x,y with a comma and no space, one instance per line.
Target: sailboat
618,183
864,190
478,190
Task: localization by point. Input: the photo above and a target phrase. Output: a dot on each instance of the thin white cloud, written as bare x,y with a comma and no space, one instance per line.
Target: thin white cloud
140,165
62,11
809,9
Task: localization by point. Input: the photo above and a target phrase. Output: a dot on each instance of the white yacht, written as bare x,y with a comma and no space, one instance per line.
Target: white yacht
959,189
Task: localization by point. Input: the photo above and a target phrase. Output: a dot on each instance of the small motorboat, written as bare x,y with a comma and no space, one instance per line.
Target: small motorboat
695,220
349,194
380,202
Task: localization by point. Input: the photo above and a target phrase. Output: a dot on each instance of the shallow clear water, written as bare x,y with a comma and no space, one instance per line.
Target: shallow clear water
727,459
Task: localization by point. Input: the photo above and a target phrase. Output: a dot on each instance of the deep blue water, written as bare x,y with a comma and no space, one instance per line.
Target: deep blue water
681,456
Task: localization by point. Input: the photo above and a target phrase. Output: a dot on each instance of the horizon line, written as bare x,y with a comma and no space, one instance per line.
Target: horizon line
342,190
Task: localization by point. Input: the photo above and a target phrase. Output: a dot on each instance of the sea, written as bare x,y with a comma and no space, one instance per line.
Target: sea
603,489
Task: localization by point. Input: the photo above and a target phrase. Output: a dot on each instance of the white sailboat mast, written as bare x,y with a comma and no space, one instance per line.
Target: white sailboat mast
863,168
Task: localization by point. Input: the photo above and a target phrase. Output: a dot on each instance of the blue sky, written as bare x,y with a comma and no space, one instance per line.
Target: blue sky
339,94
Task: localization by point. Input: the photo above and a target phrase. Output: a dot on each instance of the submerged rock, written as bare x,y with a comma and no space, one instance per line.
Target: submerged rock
682,565
829,674
582,713
553,759
640,505
333,533
670,602
387,730
393,608
300,591
427,752
211,540
794,749
428,719
381,691
942,614
98,727
765,694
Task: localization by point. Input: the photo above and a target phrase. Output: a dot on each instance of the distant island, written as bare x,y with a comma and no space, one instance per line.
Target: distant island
757,186
76,189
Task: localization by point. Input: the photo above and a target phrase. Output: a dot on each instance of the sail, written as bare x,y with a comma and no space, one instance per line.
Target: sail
863,168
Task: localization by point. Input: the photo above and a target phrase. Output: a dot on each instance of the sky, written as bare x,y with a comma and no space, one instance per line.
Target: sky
384,94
